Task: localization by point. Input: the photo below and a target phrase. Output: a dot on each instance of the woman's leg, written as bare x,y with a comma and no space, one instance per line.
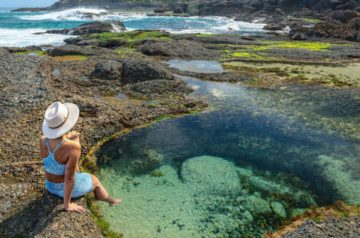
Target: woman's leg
101,193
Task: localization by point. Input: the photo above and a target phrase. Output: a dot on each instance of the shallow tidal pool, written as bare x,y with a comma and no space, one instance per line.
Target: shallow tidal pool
258,158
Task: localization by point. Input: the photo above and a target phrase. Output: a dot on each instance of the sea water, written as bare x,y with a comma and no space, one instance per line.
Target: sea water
258,158
18,28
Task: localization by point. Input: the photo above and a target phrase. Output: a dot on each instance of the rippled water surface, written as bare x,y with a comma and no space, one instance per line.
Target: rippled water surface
256,159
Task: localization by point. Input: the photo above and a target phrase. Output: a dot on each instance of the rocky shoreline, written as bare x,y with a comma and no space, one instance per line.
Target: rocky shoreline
120,82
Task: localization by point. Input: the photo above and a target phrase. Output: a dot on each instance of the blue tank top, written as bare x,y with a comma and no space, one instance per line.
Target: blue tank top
50,164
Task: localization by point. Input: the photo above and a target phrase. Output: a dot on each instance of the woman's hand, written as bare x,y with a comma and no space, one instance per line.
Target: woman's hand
73,135
73,207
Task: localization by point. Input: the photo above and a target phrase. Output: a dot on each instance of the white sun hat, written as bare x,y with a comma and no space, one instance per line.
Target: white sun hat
59,119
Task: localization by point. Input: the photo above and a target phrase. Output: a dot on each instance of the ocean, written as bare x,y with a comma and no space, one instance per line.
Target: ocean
18,28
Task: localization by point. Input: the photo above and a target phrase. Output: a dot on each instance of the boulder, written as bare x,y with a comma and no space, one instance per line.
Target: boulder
69,50
343,16
107,70
273,27
279,12
354,24
176,48
299,36
139,69
212,175
92,27
159,10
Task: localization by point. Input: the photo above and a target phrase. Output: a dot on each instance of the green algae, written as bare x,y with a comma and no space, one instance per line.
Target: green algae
245,54
309,20
125,51
311,46
71,58
37,52
332,76
99,220
131,37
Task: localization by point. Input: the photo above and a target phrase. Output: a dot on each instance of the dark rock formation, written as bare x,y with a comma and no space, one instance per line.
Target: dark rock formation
69,50
138,70
328,29
107,70
273,27
177,48
344,16
29,9
92,27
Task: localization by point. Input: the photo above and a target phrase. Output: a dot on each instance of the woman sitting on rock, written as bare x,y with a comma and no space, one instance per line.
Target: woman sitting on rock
60,149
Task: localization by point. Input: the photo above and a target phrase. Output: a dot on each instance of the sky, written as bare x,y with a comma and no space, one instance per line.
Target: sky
25,3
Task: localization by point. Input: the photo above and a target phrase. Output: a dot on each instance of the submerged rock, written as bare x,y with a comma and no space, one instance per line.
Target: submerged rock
278,209
211,175
139,70
257,205
92,27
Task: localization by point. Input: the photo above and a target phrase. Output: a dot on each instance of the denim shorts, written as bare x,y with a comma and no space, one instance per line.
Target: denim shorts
83,184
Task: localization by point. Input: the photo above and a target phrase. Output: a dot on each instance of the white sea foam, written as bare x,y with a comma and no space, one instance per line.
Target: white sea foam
26,37
82,14
74,14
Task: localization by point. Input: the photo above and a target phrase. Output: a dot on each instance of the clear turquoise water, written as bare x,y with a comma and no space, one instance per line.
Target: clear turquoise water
24,24
257,158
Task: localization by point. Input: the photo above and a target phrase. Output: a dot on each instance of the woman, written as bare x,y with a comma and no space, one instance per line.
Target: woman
61,150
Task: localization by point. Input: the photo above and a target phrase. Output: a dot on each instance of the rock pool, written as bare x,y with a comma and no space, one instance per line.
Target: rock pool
259,157
196,66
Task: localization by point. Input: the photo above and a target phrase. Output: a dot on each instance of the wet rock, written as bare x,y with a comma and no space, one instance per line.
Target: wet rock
278,209
107,70
211,175
138,69
92,27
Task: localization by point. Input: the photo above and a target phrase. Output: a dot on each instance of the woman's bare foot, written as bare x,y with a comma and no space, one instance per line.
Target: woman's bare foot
113,201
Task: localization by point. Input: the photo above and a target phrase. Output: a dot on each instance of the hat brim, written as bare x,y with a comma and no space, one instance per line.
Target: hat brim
74,113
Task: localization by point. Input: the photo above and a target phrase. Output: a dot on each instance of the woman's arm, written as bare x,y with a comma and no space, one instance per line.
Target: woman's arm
70,179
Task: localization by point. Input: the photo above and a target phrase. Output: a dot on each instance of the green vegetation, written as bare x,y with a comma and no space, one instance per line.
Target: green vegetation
245,54
100,222
157,173
130,38
71,58
125,52
312,46
309,20
38,52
